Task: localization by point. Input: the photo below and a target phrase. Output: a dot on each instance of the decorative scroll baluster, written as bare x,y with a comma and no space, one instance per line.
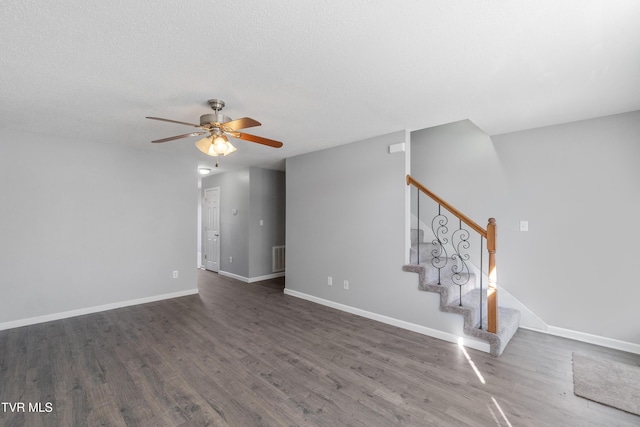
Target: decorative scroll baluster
439,252
460,268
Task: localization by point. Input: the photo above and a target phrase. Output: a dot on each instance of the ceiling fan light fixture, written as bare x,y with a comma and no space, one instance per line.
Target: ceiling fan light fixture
220,144
215,145
205,144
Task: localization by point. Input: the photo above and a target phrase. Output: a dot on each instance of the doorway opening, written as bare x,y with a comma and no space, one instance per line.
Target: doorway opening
211,229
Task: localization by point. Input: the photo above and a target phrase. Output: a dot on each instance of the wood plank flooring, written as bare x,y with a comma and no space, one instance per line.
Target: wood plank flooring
243,354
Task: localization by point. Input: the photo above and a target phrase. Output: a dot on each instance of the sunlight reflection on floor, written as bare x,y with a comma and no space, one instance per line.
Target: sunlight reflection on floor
471,363
482,380
495,402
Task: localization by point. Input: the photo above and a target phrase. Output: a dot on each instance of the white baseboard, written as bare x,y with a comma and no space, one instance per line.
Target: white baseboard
466,341
89,310
234,276
266,277
251,279
589,338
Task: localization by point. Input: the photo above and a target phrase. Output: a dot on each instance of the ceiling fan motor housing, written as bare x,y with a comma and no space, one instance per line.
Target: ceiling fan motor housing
214,119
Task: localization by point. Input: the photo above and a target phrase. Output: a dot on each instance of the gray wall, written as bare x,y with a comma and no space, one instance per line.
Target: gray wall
578,186
267,203
346,218
84,225
257,194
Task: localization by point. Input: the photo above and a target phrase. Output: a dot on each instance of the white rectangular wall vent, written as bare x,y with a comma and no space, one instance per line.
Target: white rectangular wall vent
278,258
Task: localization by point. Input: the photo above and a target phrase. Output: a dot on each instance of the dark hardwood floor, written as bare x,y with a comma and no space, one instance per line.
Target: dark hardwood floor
247,355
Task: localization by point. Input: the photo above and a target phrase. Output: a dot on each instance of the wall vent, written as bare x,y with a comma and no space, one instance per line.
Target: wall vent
278,258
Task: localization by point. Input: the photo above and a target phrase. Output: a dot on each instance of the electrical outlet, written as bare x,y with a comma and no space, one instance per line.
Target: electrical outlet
230,260
175,274
346,284
330,281
524,225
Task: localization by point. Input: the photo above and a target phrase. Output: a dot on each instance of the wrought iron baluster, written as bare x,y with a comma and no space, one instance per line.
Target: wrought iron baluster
440,231
460,269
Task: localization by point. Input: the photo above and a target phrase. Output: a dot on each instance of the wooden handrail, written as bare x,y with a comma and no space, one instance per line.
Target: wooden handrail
490,234
447,206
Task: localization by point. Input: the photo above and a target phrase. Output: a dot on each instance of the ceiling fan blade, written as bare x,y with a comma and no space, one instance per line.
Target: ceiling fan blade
242,123
173,121
186,135
258,139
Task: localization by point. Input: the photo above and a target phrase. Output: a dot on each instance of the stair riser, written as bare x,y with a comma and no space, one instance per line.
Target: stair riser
426,252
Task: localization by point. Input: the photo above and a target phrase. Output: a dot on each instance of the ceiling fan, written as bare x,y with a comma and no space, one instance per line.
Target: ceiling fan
219,127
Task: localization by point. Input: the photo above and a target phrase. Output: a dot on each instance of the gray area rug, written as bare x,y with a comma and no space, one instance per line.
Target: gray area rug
611,383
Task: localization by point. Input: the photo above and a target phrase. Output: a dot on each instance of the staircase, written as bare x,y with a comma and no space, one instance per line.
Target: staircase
464,300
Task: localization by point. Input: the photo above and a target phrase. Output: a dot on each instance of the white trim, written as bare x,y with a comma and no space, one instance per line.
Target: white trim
90,310
589,338
266,277
233,276
445,336
251,279
407,199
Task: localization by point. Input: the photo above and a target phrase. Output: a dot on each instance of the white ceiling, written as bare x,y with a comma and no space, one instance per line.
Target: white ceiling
316,74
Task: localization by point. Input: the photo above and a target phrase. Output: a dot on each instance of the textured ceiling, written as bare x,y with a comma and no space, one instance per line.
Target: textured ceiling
316,74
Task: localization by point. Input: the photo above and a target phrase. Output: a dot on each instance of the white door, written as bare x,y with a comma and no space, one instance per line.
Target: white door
212,229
